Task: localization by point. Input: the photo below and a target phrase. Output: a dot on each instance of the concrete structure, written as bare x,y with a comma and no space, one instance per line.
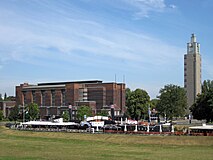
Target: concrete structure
54,98
192,71
6,107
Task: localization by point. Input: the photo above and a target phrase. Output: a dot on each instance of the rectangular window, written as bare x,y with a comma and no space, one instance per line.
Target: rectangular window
34,96
42,98
53,97
47,111
58,111
63,97
24,98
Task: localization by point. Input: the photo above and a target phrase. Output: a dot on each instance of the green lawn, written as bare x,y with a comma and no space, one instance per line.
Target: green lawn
46,145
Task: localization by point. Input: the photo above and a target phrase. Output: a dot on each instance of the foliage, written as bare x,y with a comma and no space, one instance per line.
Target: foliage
32,110
203,107
5,96
137,103
153,103
65,116
10,98
103,113
84,110
172,101
14,114
1,115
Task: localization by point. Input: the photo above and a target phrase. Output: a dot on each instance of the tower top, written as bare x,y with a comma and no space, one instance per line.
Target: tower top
193,38
193,47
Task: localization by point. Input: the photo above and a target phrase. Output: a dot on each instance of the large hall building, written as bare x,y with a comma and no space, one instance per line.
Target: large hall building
54,98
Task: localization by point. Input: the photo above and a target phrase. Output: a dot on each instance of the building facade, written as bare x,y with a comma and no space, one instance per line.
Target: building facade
54,98
192,71
6,107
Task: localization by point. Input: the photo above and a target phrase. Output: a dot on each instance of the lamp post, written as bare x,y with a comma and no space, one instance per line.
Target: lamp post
149,114
190,119
112,112
70,112
23,113
149,118
125,128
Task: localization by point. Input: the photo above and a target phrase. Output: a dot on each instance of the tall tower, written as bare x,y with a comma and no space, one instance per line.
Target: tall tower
192,71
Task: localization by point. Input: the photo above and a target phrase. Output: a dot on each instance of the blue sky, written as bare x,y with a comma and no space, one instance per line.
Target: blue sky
145,40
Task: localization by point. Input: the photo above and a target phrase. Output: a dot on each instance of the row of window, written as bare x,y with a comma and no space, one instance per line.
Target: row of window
43,97
59,112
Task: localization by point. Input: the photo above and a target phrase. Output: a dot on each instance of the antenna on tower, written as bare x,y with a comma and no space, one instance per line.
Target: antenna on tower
115,78
123,78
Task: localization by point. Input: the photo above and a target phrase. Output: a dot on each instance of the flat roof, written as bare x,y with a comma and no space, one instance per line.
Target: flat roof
61,83
43,86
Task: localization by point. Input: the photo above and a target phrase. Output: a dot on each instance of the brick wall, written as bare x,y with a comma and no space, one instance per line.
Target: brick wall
101,93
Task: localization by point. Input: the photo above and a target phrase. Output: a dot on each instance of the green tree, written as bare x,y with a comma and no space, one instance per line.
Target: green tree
154,103
14,114
137,103
33,111
172,101
5,96
207,86
11,98
84,110
65,116
1,97
203,107
1,115
103,113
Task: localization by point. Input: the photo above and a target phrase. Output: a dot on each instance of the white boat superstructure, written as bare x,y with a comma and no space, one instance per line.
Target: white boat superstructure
56,122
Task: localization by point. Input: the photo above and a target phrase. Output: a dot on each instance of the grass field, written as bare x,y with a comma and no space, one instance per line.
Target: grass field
47,145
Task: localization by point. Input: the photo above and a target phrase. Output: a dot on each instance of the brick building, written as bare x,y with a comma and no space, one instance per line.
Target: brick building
54,98
6,107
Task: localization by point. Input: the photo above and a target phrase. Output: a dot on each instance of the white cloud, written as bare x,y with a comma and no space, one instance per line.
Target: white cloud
143,8
27,39
172,6
69,40
115,43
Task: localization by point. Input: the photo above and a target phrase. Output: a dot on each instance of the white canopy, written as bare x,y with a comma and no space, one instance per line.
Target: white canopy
204,126
48,123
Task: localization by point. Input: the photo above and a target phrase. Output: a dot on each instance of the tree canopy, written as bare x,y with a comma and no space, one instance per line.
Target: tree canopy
65,116
1,115
33,111
14,114
137,103
84,110
153,103
203,107
5,96
1,97
103,113
172,101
